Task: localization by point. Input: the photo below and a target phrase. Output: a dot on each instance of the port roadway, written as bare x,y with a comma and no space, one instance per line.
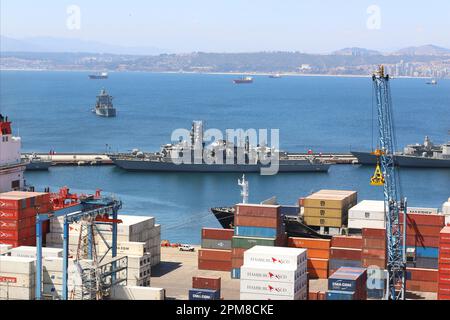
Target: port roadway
83,159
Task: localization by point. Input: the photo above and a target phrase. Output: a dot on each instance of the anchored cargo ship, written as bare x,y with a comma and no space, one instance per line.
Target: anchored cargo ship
99,76
221,156
243,80
426,155
104,106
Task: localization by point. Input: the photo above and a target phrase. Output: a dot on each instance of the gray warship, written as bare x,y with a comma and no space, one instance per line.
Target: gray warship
221,156
426,155
104,106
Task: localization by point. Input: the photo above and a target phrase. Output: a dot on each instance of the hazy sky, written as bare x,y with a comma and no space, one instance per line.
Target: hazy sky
236,25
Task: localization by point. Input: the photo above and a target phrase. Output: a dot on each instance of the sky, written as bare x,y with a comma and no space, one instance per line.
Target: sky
313,26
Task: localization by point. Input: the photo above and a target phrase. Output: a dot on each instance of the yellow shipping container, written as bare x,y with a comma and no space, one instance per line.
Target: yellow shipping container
323,222
324,212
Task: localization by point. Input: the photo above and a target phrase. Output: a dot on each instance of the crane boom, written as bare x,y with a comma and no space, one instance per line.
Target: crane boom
395,229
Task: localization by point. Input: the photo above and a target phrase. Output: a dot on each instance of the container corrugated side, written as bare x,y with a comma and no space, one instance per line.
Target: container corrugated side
249,242
271,288
244,231
273,274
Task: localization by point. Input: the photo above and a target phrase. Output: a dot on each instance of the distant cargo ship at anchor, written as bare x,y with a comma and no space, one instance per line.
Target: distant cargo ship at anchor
243,80
218,158
99,76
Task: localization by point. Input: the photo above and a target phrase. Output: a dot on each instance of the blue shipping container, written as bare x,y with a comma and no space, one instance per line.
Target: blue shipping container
204,294
236,273
426,252
427,263
346,279
289,210
340,295
260,232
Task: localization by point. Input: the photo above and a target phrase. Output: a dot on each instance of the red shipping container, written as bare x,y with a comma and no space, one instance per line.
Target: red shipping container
312,295
217,234
217,255
420,241
444,288
17,234
374,243
374,253
432,231
9,202
421,286
263,211
373,233
318,264
13,214
420,274
444,278
345,253
424,219
206,283
318,273
257,222
18,224
17,243
214,265
321,295
444,258
347,242
444,268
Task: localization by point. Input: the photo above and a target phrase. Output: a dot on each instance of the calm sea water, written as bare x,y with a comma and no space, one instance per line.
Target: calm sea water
52,110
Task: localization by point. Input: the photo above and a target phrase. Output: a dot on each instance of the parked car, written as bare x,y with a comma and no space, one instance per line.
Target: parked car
186,247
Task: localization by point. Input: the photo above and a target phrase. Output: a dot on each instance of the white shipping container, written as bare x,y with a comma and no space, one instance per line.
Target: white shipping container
359,224
367,210
446,208
421,210
56,264
17,279
271,287
30,252
143,282
139,273
17,265
137,293
274,256
277,274
17,293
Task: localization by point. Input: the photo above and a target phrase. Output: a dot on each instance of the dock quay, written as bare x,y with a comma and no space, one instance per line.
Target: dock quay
81,159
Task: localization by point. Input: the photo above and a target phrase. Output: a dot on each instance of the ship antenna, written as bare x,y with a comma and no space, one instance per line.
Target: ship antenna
244,192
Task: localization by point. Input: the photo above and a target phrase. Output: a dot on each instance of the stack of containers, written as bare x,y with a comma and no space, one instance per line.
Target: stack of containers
444,264
422,234
347,284
136,236
374,248
423,280
205,288
366,214
255,225
274,273
216,249
328,208
318,254
18,211
345,252
17,278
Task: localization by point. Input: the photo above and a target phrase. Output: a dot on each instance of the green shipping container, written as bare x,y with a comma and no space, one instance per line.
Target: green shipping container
248,242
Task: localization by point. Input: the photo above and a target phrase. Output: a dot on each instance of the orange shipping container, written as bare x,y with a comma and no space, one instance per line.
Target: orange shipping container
318,254
347,242
214,265
420,274
318,273
217,255
318,263
367,262
308,243
255,210
421,286
257,222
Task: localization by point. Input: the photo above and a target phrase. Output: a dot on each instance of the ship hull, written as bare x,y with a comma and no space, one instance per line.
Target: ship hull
242,81
97,77
106,112
147,165
366,158
38,165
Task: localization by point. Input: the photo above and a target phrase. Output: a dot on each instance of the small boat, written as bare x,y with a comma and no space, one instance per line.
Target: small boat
102,75
275,76
433,81
243,80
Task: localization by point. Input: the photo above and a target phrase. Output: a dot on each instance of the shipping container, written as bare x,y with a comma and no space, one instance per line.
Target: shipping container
257,222
414,219
277,274
421,286
374,233
236,273
271,287
217,255
375,294
324,212
275,256
345,253
373,262
255,210
324,222
249,242
420,241
419,274
309,243
244,231
426,252
218,234
373,243
211,283
216,244
340,295
353,242
335,264
427,263
214,265
361,224
318,263
204,294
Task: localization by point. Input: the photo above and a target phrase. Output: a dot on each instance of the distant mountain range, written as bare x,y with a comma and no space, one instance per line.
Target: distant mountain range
50,44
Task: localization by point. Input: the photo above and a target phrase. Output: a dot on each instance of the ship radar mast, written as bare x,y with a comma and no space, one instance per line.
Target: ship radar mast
244,192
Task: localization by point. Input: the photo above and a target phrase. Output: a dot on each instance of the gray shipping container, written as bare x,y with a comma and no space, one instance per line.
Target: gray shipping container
337,263
216,244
